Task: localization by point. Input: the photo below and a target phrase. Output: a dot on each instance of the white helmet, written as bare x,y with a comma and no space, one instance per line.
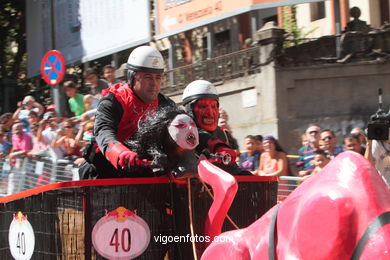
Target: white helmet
145,59
199,89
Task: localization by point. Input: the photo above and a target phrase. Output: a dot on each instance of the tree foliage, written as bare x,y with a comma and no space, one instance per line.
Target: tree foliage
296,35
12,39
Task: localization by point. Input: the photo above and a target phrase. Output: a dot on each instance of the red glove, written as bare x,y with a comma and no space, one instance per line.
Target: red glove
225,155
122,157
127,158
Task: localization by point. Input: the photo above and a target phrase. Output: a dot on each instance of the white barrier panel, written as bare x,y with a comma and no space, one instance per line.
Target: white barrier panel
27,173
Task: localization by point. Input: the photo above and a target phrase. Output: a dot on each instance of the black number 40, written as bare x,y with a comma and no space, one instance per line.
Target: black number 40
125,240
21,243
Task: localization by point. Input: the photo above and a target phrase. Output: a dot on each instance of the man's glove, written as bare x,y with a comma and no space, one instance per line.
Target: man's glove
127,158
122,157
225,155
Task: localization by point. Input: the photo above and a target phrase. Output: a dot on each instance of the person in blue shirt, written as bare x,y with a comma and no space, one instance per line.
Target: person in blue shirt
310,142
5,146
249,160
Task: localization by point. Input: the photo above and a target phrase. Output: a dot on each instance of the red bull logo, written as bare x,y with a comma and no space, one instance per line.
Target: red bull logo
20,217
121,214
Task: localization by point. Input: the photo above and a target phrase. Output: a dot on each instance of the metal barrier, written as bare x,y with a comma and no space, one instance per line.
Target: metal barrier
64,215
286,185
26,173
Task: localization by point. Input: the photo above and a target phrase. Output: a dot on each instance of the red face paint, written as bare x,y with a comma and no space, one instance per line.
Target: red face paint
206,114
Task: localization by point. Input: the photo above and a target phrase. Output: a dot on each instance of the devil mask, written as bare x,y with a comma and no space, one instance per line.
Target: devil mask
184,132
206,114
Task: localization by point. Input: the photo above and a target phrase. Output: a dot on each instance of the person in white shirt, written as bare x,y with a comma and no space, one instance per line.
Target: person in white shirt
49,133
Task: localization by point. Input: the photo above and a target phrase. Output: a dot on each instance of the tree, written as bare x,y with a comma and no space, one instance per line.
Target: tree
296,34
12,46
13,39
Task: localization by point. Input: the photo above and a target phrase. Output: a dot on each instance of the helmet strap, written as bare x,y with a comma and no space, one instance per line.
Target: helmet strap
130,77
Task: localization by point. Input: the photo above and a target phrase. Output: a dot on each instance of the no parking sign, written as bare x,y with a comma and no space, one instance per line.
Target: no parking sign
53,67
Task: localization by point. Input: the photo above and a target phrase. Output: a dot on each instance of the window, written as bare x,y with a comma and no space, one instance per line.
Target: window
317,10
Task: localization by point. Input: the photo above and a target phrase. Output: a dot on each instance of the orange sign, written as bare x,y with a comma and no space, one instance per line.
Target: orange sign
174,16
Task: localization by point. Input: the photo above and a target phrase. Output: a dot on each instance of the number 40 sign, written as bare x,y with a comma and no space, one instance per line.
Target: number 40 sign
21,238
120,235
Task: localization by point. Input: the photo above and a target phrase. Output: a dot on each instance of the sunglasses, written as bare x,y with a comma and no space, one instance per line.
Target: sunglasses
68,126
327,138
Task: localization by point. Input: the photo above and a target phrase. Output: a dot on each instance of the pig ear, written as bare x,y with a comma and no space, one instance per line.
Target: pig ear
224,187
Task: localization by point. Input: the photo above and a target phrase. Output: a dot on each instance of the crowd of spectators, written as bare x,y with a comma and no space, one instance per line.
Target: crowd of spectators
36,131
266,157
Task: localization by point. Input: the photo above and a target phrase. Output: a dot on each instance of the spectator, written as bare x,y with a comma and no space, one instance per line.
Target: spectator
304,140
320,160
66,138
76,102
5,146
378,153
90,104
362,137
49,134
109,75
310,142
24,107
96,85
40,148
88,131
224,125
259,143
329,142
6,120
21,141
273,161
223,120
32,118
352,143
249,160
51,108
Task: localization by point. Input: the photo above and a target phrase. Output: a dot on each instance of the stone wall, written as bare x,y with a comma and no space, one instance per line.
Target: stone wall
283,98
338,96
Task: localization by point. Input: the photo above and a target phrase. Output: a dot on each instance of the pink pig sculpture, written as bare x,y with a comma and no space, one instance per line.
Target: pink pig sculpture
341,213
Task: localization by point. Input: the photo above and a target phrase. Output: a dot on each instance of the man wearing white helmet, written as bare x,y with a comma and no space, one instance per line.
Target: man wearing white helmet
120,110
200,99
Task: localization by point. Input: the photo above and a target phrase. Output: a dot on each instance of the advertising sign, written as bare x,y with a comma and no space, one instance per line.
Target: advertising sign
175,16
84,30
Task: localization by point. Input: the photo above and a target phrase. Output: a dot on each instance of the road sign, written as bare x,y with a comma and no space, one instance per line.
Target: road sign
53,67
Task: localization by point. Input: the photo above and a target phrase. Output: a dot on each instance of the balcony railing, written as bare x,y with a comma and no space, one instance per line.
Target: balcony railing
232,65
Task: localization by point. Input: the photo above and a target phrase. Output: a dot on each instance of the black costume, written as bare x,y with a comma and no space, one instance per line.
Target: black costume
118,115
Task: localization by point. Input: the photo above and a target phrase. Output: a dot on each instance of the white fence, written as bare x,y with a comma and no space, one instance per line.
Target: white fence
27,173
